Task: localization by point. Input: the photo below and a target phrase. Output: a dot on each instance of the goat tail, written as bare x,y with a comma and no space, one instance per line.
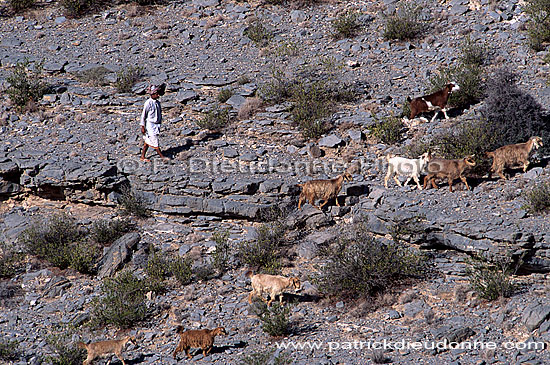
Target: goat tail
81,345
248,273
490,154
179,329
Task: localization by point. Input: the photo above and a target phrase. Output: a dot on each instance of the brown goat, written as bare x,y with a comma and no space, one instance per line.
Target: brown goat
450,169
435,101
322,190
203,339
100,348
273,285
513,155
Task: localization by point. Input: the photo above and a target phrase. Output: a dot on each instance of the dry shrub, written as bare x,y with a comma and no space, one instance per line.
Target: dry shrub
250,107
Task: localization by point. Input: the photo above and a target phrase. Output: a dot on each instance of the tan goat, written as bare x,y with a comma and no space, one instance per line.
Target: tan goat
513,155
449,169
272,285
203,339
323,190
101,348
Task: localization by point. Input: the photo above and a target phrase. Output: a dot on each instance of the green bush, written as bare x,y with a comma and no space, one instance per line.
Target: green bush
181,268
10,261
361,266
158,264
470,79
266,357
133,203
287,49
60,241
275,319
215,120
468,138
513,115
204,273
25,85
224,95
105,231
9,350
474,53
77,8
222,254
127,77
94,76
66,353
312,104
346,25
404,23
388,131
537,198
492,281
258,33
122,302
20,5
538,27
264,253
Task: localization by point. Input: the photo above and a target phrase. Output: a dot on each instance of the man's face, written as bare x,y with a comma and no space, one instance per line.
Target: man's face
155,96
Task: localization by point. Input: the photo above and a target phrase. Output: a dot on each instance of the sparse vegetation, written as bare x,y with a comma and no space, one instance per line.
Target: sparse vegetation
346,25
512,115
389,130
20,5
287,49
9,350
77,8
314,93
258,33
264,253
474,53
360,266
404,23
105,231
127,77
250,107
66,353
61,242
537,199
275,319
470,79
133,203
224,95
222,254
492,281
538,27
94,76
10,261
25,84
215,120
181,268
122,302
268,356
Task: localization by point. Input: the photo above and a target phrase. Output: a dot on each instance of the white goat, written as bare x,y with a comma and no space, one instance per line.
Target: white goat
412,168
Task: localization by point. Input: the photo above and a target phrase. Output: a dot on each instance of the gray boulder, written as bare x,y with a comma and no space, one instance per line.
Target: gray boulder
117,255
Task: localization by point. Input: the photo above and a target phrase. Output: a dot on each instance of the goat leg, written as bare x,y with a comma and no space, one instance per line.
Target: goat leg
434,185
417,182
435,115
337,203
525,165
322,205
444,110
450,182
465,182
397,180
300,202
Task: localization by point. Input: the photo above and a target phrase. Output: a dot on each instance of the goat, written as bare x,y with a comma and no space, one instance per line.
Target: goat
513,155
272,285
101,348
406,166
322,190
435,101
203,339
450,169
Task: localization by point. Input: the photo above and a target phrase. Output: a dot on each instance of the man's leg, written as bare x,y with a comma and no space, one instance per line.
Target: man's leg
160,153
144,151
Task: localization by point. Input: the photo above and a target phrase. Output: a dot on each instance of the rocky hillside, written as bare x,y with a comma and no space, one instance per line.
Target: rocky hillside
78,151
